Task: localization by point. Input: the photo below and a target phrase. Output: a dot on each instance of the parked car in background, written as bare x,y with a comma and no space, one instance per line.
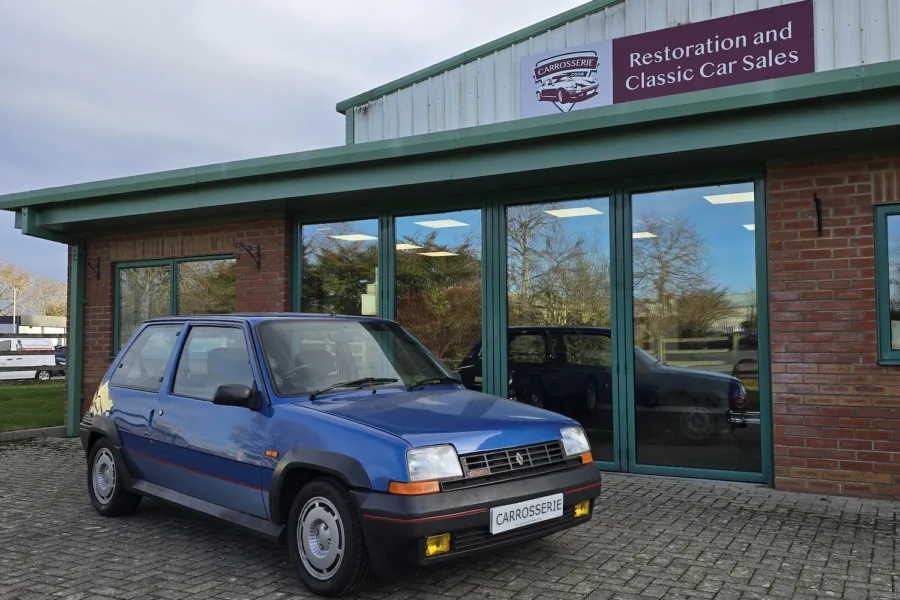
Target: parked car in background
30,358
61,357
340,436
569,369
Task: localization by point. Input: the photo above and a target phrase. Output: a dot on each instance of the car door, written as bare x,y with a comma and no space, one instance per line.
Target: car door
7,360
133,393
213,452
530,365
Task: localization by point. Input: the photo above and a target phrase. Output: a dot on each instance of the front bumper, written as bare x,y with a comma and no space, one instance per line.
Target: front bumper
395,527
742,419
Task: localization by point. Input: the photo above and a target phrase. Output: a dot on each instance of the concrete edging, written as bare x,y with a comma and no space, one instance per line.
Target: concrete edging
27,434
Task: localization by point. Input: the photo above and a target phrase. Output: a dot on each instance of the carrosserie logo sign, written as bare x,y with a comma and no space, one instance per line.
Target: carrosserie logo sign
753,46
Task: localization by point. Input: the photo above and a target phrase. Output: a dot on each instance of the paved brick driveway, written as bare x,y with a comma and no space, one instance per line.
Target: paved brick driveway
651,538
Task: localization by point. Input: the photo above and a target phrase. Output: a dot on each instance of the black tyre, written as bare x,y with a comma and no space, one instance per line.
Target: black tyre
534,396
106,483
325,540
591,397
42,376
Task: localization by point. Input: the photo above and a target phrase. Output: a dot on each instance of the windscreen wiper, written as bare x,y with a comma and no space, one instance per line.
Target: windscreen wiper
354,383
440,379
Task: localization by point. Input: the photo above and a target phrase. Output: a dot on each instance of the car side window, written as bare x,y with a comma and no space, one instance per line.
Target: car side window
6,346
528,348
588,350
144,363
212,356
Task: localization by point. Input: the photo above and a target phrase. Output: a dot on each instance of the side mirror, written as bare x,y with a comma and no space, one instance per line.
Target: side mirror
234,394
457,376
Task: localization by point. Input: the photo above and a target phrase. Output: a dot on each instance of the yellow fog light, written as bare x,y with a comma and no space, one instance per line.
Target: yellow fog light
437,544
583,509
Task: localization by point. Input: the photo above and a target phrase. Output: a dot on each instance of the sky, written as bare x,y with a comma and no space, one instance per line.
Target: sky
97,89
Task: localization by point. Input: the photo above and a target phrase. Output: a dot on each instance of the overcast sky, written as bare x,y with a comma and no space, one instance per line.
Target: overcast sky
105,88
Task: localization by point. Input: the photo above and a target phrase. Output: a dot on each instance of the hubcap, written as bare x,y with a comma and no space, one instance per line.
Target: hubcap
320,538
104,476
697,425
591,397
44,375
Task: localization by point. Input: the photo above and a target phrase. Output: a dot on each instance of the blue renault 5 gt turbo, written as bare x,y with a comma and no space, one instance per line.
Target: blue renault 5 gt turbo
342,437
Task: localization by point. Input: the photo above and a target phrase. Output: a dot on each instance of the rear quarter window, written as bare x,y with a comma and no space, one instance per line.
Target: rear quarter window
144,363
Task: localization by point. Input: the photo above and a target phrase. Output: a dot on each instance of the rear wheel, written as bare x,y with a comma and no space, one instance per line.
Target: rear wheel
106,485
42,376
325,540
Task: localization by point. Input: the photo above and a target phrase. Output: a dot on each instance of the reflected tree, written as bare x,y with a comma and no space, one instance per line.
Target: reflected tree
553,276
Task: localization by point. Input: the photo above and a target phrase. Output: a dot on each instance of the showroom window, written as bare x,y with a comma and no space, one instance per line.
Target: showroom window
887,274
159,288
340,268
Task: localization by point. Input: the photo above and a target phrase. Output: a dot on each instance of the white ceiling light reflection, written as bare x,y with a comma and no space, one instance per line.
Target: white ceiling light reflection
730,198
643,235
408,247
440,253
581,211
353,237
442,223
750,227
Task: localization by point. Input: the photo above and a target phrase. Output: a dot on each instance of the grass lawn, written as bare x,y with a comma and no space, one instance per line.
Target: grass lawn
31,406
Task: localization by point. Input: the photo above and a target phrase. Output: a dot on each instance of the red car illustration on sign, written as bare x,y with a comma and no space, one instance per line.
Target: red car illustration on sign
566,79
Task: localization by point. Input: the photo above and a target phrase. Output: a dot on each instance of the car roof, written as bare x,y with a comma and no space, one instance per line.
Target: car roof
261,316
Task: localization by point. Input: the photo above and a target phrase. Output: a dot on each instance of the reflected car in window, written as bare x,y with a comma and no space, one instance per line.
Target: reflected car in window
341,437
569,370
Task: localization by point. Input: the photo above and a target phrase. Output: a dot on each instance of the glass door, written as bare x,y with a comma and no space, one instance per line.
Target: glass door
559,311
692,350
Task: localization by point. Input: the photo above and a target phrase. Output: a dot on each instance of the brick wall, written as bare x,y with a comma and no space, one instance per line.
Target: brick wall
266,289
836,412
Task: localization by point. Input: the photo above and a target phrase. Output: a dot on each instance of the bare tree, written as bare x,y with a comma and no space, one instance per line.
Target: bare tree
673,292
16,280
46,296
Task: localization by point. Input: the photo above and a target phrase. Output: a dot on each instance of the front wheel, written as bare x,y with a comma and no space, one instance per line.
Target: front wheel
106,485
325,540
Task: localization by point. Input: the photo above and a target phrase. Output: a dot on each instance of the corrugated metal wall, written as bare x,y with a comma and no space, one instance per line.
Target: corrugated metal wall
486,90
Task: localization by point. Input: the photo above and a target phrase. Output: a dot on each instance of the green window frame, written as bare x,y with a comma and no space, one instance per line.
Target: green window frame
173,266
887,355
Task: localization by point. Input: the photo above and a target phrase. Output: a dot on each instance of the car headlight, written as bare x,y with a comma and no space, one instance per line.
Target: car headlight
433,462
575,441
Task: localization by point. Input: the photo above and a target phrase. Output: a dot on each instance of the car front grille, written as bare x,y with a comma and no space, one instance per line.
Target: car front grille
482,468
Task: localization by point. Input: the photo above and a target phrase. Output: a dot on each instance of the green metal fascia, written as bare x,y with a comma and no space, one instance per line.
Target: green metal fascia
76,339
736,130
476,53
822,85
350,130
27,222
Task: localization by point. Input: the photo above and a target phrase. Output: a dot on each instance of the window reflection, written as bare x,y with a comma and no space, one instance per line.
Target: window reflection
438,281
206,287
696,381
340,268
893,231
558,297
144,293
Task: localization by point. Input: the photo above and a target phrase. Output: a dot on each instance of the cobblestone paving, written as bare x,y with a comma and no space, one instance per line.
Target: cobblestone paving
651,538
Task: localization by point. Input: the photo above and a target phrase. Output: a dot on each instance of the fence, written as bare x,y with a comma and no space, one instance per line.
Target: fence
21,361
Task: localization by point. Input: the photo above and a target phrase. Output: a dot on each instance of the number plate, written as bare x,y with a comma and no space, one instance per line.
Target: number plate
522,514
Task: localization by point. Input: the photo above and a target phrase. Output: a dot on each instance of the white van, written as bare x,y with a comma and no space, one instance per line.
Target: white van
33,365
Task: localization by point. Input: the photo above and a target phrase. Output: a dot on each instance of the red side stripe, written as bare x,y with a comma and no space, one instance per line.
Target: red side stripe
587,487
198,472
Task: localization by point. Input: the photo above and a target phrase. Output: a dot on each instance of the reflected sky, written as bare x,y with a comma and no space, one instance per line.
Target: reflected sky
722,222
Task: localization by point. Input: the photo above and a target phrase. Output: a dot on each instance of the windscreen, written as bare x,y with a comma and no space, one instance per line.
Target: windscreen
305,355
